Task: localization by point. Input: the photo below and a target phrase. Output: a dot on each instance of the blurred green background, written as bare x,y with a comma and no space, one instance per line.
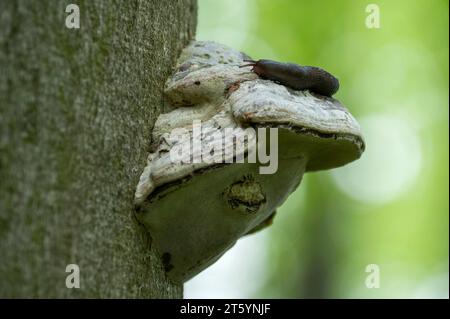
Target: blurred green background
391,207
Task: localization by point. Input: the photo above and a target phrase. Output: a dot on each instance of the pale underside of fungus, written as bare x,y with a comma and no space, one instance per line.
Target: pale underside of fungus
195,210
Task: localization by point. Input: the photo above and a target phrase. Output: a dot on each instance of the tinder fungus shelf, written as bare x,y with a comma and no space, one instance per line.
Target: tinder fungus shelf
210,178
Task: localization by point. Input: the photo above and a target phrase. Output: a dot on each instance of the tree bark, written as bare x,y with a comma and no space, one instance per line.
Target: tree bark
77,107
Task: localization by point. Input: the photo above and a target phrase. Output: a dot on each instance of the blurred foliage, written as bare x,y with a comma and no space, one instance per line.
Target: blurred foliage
391,207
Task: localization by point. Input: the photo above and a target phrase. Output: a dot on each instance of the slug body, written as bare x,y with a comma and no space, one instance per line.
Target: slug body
295,76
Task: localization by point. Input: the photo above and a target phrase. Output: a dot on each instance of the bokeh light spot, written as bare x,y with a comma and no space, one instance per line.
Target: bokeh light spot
390,164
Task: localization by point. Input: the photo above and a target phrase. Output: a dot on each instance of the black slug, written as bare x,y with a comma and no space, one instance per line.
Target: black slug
295,76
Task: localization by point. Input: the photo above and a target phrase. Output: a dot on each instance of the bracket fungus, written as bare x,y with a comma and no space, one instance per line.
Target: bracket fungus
208,179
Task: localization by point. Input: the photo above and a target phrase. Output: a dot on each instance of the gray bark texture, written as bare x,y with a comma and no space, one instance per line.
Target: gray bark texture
77,107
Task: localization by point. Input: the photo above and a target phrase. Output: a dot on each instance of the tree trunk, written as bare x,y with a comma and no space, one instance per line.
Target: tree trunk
77,107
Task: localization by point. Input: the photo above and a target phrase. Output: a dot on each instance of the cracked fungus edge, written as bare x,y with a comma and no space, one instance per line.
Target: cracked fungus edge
167,188
354,139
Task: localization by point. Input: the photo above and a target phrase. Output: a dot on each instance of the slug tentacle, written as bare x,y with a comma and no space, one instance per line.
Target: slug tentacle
252,63
242,66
